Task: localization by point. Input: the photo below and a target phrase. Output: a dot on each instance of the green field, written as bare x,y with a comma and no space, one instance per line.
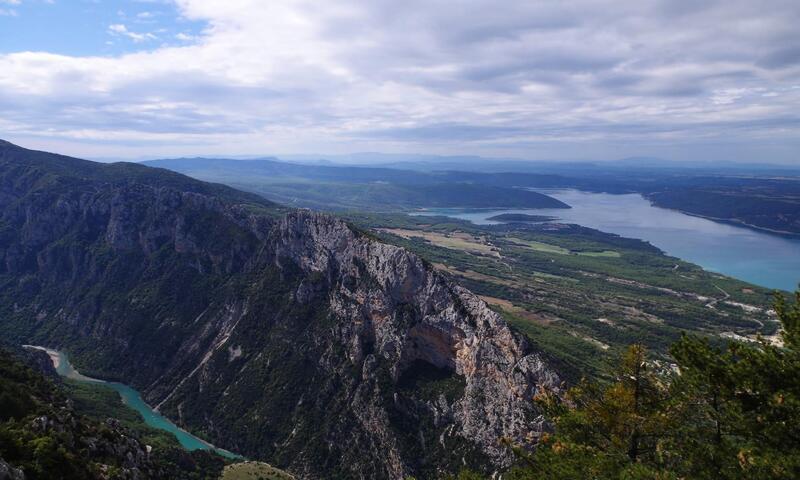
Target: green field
253,471
540,247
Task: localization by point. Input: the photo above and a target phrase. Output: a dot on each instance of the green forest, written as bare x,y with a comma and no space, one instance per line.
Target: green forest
727,412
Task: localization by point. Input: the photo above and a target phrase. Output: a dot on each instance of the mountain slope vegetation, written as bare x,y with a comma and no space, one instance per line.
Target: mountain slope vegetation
726,412
286,336
44,436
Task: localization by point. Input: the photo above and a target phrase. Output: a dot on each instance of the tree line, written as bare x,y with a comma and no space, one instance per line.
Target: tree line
722,412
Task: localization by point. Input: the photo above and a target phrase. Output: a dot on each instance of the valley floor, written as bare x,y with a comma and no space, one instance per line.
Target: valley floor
579,294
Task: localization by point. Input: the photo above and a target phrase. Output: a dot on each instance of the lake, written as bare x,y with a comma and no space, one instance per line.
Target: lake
760,258
134,400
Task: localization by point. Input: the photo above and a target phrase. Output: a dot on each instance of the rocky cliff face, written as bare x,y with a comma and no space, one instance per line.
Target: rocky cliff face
287,336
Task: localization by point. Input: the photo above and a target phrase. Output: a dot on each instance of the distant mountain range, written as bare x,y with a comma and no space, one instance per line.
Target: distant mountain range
474,163
766,200
354,187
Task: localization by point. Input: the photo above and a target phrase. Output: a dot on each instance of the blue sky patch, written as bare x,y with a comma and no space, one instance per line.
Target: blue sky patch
86,27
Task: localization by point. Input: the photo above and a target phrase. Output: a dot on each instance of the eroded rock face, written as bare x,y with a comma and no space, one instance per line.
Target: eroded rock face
450,327
7,472
291,337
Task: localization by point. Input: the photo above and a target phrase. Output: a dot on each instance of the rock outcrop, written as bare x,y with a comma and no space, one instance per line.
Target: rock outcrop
283,335
7,472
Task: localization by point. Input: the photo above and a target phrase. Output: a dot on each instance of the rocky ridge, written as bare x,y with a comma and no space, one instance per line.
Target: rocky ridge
287,336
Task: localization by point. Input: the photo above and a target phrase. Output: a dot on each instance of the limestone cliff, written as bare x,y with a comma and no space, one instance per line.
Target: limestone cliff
282,335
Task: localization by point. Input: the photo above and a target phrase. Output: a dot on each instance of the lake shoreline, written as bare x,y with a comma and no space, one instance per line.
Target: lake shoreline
733,222
766,259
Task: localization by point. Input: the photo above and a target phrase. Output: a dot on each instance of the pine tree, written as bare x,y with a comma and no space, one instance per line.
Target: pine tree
726,413
742,404
604,432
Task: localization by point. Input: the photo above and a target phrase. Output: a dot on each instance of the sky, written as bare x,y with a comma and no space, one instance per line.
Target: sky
691,80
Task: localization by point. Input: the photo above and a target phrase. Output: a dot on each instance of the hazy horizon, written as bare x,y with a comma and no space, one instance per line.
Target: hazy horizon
384,158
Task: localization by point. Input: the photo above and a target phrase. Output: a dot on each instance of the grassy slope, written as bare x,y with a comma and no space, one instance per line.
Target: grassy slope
253,471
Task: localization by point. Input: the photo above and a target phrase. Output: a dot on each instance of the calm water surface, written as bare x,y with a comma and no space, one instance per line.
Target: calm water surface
760,258
133,399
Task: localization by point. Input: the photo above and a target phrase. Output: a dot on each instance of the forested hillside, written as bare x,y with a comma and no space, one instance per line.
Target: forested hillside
44,435
286,336
719,412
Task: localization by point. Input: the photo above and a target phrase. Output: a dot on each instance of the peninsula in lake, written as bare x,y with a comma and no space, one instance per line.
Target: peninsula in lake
521,217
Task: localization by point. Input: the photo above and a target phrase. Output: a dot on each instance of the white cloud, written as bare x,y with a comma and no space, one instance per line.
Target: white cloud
432,75
121,29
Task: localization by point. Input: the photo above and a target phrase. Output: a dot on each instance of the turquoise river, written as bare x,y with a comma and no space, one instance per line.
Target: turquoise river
133,399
